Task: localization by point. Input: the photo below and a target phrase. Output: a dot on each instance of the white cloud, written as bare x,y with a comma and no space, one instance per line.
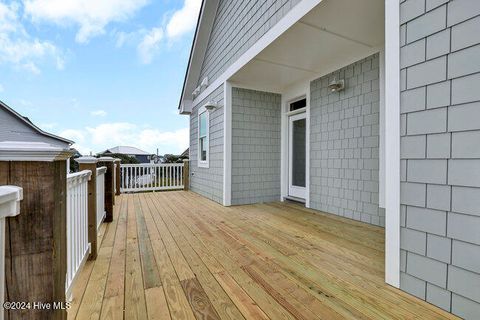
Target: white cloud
30,67
78,136
75,135
184,20
2,89
98,113
18,48
180,22
108,135
121,38
91,17
150,44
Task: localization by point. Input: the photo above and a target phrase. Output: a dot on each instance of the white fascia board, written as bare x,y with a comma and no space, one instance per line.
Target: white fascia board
186,107
300,10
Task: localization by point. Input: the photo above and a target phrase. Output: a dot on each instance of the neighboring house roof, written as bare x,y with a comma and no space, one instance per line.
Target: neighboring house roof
127,150
16,127
185,153
205,22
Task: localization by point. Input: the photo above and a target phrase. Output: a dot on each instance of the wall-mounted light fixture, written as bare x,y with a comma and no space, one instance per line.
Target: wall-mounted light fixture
212,106
336,85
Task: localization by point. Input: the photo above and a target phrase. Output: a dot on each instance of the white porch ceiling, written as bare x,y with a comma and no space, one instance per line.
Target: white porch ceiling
334,34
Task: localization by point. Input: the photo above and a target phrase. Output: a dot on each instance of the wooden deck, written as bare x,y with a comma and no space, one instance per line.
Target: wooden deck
176,255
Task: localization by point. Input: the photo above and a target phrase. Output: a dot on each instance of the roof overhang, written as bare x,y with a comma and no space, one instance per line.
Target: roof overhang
334,34
205,22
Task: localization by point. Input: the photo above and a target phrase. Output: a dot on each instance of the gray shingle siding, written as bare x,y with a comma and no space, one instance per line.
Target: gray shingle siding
440,152
238,25
344,143
208,181
255,146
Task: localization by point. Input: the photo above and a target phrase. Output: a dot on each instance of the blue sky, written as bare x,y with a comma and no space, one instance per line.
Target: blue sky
100,74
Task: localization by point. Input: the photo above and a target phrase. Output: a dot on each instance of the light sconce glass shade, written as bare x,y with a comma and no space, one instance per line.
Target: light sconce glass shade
336,85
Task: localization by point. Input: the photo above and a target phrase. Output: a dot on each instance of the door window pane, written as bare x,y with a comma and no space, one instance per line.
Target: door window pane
298,104
299,152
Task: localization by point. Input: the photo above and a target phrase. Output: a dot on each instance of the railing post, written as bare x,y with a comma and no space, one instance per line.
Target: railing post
90,163
118,162
186,174
109,186
36,240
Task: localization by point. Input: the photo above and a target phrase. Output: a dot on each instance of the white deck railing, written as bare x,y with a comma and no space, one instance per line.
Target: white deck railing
151,177
100,195
10,197
78,246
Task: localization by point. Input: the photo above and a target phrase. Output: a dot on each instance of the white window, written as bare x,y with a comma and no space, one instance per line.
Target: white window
203,138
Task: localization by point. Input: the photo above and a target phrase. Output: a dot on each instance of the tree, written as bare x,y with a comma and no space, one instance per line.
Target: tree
74,167
171,158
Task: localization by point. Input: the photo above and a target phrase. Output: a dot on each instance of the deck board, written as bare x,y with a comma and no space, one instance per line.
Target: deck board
177,255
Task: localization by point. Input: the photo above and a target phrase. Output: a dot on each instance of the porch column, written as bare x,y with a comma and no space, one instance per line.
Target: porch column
109,186
118,162
90,163
36,240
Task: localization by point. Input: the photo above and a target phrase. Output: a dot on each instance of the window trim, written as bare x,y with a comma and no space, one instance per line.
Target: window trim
203,163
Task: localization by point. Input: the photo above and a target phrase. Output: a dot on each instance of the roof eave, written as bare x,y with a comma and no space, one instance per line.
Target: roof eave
203,30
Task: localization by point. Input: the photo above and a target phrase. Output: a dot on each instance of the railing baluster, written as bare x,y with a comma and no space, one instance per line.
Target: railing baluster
175,175
127,182
77,224
152,176
136,184
162,169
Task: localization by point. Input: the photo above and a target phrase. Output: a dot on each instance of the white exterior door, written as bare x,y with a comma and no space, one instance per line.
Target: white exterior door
297,155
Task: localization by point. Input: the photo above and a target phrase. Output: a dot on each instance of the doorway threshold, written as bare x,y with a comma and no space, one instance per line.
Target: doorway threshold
295,199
